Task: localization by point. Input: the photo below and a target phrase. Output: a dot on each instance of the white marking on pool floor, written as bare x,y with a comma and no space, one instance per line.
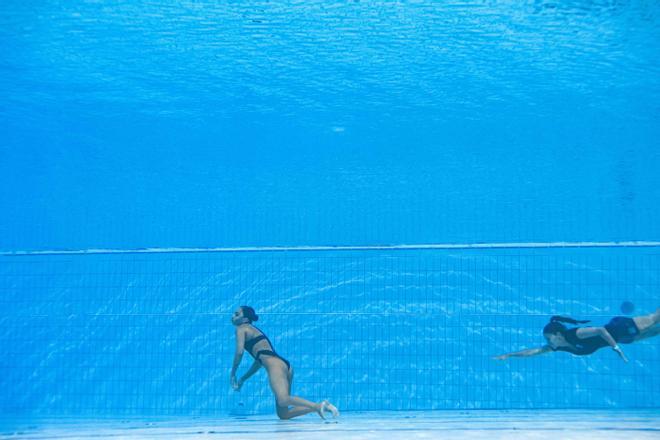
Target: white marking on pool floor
492,425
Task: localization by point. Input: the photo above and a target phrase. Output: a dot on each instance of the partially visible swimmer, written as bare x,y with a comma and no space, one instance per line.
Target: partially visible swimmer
280,373
582,341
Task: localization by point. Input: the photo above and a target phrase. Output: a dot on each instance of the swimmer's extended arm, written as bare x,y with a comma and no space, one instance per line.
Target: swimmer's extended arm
238,355
525,353
590,332
253,369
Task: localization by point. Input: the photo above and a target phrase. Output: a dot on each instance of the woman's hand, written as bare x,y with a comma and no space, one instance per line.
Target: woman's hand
236,384
501,357
620,352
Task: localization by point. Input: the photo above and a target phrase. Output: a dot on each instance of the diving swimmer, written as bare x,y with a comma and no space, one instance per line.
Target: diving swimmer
582,341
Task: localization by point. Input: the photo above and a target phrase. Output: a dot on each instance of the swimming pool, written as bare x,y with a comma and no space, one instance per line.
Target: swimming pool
402,190
150,333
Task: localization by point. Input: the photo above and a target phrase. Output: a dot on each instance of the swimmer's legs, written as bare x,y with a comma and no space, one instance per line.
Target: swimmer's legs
649,333
280,382
289,413
645,322
286,413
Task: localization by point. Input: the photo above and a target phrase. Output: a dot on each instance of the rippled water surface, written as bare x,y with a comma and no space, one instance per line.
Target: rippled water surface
129,124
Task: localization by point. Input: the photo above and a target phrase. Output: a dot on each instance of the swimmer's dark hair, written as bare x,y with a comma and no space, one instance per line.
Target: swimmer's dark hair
555,325
249,313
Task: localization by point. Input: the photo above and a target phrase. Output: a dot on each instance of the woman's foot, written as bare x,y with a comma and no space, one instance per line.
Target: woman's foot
320,410
327,406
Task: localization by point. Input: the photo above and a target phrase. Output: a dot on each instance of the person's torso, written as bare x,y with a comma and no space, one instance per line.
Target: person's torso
581,347
256,340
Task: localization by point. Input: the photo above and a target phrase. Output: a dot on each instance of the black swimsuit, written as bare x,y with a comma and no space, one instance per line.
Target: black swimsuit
622,329
249,345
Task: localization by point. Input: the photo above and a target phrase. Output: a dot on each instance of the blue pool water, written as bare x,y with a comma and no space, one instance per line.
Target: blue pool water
402,330
197,124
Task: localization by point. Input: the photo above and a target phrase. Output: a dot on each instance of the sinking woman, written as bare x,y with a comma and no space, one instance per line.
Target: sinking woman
280,374
584,341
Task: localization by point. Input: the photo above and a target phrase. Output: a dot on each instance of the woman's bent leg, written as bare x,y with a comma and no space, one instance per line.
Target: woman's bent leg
280,382
286,413
648,333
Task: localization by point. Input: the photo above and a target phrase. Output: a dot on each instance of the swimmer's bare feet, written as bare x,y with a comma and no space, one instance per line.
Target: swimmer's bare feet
320,410
327,406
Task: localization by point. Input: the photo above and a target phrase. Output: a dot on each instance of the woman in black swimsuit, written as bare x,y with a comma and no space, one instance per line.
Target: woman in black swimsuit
280,373
583,341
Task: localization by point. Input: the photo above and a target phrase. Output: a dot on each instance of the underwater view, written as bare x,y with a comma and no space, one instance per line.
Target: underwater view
436,210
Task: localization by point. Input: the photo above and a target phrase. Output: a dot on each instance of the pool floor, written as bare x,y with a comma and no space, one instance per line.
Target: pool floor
555,424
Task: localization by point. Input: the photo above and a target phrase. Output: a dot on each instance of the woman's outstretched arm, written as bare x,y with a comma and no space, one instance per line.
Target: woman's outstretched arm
590,332
256,365
524,353
238,355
